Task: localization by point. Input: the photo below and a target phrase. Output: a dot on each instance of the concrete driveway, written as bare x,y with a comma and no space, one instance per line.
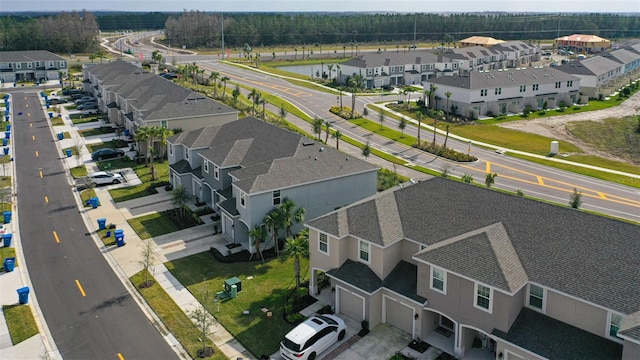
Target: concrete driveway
381,343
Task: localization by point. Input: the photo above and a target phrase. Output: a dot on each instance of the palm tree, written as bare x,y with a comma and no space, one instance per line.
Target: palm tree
366,151
317,127
435,126
297,248
329,69
273,220
402,125
258,234
179,198
253,95
448,95
327,126
224,80
162,135
432,93
214,76
283,113
142,135
290,215
381,117
235,94
446,138
156,56
337,135
263,101
355,84
419,116
490,179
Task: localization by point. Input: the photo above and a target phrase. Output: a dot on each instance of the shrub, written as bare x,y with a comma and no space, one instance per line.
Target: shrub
151,189
446,153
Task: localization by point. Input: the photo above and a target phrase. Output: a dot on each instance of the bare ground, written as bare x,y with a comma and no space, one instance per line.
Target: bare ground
555,127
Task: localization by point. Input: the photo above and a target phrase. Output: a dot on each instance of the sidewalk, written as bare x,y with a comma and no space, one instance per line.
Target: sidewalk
123,260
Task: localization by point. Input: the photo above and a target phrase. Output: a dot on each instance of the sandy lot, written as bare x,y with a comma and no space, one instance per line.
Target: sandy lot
555,127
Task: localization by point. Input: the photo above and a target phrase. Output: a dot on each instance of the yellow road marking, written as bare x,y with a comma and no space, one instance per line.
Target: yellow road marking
30,124
602,195
540,181
36,153
488,167
28,114
26,105
120,356
55,235
46,199
33,137
40,173
80,288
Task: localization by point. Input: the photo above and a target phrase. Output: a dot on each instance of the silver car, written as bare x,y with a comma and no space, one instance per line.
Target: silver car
104,177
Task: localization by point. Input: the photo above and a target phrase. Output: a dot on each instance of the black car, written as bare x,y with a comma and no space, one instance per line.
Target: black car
106,153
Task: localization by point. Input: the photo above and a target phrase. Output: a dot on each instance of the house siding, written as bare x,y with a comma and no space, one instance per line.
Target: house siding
577,313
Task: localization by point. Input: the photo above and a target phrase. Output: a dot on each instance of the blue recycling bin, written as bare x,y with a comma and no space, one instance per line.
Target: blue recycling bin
119,235
94,202
60,136
5,142
68,152
6,118
42,94
127,132
8,127
7,134
48,105
50,115
102,224
6,239
9,264
5,150
7,216
23,295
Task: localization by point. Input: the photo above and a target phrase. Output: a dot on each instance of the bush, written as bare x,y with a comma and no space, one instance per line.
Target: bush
151,189
446,153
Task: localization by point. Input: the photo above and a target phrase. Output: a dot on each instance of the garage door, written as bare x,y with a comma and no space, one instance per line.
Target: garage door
512,356
350,304
399,315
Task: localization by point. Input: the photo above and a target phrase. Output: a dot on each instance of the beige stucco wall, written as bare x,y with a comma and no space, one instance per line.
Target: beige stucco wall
630,351
576,313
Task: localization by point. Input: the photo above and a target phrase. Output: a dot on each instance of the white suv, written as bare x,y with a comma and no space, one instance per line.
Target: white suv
103,177
312,337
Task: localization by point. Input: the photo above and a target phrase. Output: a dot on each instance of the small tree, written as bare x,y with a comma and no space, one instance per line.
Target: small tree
402,125
468,178
204,320
78,150
147,261
490,179
381,117
575,200
258,234
283,113
297,248
317,127
179,199
366,151
235,94
327,127
337,135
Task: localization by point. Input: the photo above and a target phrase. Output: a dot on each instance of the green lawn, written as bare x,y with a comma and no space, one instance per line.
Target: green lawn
5,181
143,172
267,289
113,144
57,121
7,252
176,321
152,225
20,322
97,131
78,171
85,195
107,241
82,118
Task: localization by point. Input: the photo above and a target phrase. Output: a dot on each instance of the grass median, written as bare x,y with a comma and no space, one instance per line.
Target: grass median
20,321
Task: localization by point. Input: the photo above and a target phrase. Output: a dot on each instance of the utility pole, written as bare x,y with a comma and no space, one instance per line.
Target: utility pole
415,21
222,33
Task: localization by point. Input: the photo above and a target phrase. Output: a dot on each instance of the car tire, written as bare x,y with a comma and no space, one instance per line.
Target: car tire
116,181
99,158
312,356
341,335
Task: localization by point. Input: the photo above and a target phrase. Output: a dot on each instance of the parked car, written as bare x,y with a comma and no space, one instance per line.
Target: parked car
312,337
85,99
87,106
71,91
103,178
76,96
106,153
57,100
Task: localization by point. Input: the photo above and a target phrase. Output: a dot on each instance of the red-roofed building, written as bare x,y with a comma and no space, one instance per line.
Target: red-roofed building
581,43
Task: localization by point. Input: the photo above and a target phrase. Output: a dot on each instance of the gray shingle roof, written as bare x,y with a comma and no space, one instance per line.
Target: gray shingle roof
358,275
554,339
587,256
181,167
29,56
504,78
393,58
596,65
269,157
403,279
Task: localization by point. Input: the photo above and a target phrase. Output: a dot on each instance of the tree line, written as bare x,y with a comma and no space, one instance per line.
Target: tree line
64,32
77,31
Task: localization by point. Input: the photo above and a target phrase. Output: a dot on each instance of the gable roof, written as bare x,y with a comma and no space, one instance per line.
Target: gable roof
597,257
595,65
504,78
269,157
481,40
582,38
630,326
29,56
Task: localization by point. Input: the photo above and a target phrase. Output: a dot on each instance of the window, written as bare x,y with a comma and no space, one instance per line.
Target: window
243,199
37,63
483,298
50,64
186,153
29,65
171,149
498,91
364,251
535,87
206,166
164,124
570,83
216,172
614,324
276,197
18,66
536,296
323,243
483,92
438,280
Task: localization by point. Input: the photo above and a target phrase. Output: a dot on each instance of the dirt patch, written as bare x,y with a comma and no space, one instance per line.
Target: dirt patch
555,127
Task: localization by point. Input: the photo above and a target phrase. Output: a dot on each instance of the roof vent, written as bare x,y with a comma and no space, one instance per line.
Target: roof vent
321,149
315,159
308,143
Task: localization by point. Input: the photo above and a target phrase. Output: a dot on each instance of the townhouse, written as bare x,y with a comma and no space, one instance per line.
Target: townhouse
482,274
493,92
133,97
397,68
245,168
32,65
581,43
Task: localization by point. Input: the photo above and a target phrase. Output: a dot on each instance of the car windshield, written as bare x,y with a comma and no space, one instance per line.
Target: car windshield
290,345
328,320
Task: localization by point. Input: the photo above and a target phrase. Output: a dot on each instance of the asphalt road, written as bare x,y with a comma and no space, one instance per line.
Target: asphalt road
533,179
88,311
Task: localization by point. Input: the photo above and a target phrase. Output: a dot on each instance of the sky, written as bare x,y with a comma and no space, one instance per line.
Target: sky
411,6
